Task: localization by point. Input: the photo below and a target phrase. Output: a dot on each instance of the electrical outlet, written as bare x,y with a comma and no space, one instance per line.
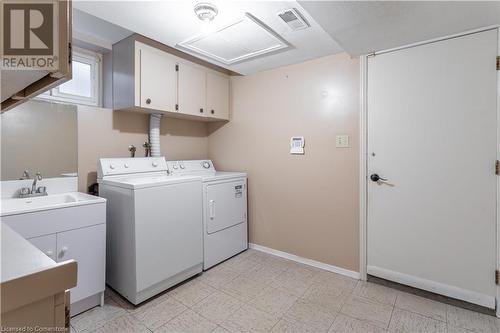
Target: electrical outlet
342,141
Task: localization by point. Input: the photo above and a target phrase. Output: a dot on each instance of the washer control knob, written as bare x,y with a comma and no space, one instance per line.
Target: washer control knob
111,166
182,166
126,165
206,165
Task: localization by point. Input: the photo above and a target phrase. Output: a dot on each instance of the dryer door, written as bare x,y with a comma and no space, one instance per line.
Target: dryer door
225,204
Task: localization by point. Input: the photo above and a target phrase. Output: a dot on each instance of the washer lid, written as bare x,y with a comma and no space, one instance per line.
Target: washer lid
139,181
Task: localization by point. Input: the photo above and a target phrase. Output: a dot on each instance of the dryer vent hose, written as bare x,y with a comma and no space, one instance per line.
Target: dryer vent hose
154,134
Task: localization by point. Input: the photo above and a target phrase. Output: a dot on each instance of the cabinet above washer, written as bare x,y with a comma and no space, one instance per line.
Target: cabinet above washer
147,79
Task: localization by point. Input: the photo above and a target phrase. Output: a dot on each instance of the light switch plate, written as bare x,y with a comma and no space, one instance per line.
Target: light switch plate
342,141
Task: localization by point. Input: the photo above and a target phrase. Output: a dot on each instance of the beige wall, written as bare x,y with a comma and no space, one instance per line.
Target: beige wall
104,133
305,205
38,136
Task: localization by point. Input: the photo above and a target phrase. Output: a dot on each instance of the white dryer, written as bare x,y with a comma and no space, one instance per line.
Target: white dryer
225,227
154,226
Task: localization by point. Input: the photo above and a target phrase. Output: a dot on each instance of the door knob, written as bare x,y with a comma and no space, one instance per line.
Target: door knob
212,111
374,177
148,101
201,110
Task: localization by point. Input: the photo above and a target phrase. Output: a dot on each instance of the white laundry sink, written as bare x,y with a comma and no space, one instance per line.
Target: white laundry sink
13,206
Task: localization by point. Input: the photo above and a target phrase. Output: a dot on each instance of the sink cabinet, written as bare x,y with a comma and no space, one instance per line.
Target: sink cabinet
77,233
147,79
47,244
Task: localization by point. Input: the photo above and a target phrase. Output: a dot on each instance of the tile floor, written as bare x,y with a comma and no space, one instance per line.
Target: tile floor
257,292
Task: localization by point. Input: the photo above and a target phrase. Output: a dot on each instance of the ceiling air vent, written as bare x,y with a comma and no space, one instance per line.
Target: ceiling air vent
293,19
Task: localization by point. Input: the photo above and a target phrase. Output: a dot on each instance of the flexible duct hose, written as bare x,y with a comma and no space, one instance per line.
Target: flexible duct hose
154,134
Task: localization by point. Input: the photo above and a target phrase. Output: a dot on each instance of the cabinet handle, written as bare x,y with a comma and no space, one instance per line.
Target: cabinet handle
64,249
212,111
148,101
201,110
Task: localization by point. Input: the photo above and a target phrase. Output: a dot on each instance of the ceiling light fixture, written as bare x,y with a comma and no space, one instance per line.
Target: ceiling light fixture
205,11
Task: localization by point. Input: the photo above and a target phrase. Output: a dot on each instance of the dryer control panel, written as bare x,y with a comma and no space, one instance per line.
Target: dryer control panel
191,166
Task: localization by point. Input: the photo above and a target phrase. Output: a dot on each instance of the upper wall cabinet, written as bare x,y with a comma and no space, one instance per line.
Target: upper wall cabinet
25,71
157,79
192,90
217,95
146,79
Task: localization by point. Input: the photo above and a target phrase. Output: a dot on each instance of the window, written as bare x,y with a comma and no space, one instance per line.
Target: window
85,86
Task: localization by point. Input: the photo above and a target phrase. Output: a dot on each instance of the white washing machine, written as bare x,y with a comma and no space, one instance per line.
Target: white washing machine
154,226
225,227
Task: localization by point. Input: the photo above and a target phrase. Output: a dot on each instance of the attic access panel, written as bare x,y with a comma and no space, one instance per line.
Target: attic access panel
244,39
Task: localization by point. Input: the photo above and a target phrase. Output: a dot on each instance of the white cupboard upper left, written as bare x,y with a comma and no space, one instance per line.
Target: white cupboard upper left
27,72
147,79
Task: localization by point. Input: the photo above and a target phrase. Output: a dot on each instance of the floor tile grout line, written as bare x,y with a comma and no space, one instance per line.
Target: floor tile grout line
420,314
390,320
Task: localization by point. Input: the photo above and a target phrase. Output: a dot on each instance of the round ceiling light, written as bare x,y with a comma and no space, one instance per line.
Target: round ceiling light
205,11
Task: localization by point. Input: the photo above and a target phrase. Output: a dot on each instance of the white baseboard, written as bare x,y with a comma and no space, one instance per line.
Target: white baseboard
305,261
435,287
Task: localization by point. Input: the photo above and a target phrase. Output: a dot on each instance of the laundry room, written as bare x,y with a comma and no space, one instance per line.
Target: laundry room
256,166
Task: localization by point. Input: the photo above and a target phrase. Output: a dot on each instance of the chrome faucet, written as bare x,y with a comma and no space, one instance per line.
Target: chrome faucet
38,177
25,192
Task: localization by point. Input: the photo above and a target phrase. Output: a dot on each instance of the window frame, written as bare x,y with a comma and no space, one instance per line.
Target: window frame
93,59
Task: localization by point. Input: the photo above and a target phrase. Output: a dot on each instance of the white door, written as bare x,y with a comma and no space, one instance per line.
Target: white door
432,133
87,246
46,244
192,90
158,80
217,96
226,205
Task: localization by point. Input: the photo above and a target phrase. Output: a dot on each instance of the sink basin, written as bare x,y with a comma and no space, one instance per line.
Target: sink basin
13,206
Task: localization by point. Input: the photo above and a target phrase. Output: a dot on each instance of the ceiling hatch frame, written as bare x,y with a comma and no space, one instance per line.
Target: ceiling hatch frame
280,43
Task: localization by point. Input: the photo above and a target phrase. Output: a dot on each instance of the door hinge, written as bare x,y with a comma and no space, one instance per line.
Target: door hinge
498,63
497,168
70,53
176,107
371,55
176,68
497,277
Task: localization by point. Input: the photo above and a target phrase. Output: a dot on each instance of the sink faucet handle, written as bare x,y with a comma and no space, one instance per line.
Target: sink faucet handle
26,175
38,176
24,191
42,190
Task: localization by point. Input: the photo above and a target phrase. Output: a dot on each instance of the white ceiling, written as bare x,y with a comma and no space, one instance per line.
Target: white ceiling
171,22
367,26
95,33
357,27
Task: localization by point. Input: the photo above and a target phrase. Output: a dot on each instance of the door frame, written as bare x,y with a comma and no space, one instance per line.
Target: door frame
363,139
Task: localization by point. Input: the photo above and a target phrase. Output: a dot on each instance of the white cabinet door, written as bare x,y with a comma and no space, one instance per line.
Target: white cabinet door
46,244
217,96
88,247
158,80
192,90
